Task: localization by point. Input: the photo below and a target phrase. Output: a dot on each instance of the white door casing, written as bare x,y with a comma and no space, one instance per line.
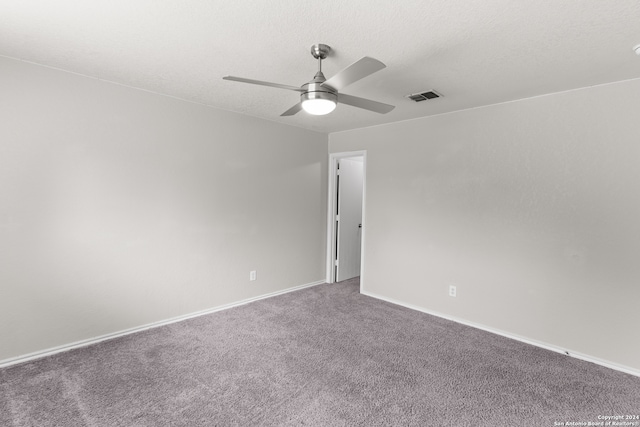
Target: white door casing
349,217
332,206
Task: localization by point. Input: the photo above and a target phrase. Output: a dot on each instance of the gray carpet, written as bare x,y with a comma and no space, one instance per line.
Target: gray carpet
322,356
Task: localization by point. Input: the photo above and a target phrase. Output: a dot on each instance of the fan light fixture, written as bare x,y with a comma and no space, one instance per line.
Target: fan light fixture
318,103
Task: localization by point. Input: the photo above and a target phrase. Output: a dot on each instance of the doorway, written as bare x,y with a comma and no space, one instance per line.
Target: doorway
346,224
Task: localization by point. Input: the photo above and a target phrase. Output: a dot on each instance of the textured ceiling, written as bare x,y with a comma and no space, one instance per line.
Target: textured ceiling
474,52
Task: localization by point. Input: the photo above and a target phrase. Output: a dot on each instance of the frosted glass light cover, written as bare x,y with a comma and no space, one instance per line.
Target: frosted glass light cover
318,107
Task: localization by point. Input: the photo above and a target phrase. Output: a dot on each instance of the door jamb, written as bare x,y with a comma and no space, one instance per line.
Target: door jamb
331,216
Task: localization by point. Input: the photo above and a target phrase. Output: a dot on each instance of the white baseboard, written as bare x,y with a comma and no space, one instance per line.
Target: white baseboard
66,347
585,357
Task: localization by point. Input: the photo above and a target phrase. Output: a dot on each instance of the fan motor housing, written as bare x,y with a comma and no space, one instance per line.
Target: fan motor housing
316,91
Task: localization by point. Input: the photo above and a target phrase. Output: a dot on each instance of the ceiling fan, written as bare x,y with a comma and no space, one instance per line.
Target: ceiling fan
320,96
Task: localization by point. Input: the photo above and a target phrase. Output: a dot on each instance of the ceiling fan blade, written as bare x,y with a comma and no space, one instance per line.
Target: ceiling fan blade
259,82
293,110
367,104
354,72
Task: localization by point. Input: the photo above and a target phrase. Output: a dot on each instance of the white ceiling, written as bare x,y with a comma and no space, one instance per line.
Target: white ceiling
474,52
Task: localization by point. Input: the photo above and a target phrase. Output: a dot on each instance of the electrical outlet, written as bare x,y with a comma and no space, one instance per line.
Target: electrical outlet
452,291
252,275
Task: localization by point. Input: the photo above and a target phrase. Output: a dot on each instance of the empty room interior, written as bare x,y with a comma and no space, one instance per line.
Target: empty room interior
320,213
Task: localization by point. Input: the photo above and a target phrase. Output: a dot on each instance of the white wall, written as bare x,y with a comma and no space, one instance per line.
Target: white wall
532,208
120,207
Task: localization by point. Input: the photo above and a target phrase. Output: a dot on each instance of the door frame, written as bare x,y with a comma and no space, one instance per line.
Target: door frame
332,232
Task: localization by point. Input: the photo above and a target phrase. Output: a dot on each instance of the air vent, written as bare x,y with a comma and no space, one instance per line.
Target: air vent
419,97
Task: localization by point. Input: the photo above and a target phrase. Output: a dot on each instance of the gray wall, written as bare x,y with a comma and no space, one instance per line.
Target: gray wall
120,207
531,208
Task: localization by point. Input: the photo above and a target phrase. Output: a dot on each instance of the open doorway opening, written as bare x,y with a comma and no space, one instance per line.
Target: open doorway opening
346,219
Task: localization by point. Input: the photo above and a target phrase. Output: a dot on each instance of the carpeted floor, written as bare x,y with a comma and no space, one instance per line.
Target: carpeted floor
322,356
